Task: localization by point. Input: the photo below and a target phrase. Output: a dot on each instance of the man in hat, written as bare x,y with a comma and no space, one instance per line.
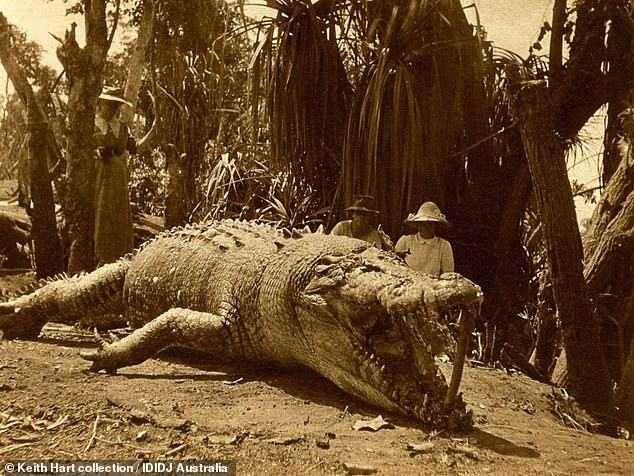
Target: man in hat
424,251
113,218
361,225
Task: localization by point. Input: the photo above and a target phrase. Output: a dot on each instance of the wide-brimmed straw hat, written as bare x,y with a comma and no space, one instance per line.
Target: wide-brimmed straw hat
363,204
428,212
114,94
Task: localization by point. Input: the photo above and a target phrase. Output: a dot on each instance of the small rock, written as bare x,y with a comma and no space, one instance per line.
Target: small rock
141,435
5,387
138,417
212,440
420,448
238,438
331,435
353,468
176,443
323,443
468,452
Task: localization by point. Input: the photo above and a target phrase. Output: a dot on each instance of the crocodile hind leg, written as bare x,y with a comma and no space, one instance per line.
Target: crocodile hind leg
177,327
99,293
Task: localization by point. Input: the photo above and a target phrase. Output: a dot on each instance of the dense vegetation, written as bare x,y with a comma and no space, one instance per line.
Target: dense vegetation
284,118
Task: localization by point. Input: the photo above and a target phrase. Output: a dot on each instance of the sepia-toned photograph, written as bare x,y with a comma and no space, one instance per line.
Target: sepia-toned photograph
321,237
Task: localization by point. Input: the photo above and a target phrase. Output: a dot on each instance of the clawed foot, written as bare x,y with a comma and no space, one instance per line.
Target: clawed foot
103,357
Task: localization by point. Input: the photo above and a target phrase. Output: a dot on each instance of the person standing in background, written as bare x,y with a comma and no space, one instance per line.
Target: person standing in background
424,251
362,226
114,236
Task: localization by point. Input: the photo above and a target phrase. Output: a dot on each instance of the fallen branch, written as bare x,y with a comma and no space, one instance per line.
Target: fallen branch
91,441
8,449
173,451
60,421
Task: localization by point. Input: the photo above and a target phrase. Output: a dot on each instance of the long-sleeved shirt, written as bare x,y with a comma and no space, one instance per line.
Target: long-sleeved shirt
427,255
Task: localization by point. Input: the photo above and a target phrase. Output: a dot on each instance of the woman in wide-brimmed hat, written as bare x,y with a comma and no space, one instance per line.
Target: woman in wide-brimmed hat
425,252
361,225
113,218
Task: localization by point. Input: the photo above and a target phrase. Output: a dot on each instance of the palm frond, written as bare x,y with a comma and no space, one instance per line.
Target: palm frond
306,92
407,116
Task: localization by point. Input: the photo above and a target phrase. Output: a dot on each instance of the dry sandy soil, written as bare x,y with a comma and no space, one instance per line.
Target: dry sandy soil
272,421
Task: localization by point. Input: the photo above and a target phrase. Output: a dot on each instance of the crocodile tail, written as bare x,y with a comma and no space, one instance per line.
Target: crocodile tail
66,300
98,293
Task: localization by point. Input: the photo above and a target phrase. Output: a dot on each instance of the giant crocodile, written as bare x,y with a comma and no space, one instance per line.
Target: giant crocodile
245,291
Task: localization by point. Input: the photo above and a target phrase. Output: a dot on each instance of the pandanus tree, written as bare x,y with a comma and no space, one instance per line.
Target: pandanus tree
408,116
299,73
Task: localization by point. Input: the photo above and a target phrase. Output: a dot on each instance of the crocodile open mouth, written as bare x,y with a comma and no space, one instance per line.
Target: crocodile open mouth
398,353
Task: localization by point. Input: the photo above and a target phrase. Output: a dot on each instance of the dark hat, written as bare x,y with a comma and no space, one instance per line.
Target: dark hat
114,94
363,204
428,211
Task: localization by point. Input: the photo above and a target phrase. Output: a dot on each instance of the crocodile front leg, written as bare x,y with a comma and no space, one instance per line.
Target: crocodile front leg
175,328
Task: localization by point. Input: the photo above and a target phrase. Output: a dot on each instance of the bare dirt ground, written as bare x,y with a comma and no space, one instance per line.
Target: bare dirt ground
272,421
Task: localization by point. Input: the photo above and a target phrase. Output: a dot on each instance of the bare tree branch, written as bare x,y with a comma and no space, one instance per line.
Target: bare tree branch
556,39
114,24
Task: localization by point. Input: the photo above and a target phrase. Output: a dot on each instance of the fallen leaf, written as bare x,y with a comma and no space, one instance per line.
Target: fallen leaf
372,425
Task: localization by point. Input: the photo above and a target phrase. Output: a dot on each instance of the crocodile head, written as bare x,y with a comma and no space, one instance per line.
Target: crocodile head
374,328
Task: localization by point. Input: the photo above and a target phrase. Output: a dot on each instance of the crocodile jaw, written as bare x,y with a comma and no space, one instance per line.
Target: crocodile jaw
360,368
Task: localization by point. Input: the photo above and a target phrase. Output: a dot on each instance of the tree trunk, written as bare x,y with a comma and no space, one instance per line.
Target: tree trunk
47,246
587,370
625,390
608,244
618,44
137,62
84,68
615,246
618,188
